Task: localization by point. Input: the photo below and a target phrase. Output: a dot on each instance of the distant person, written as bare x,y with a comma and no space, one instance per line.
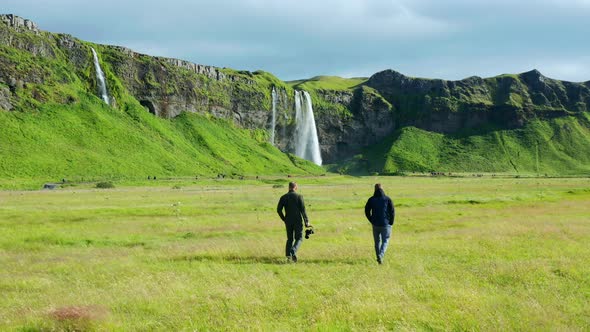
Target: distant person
381,213
294,208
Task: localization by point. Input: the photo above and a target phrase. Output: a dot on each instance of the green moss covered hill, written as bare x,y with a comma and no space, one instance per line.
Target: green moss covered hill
557,146
391,123
170,117
53,125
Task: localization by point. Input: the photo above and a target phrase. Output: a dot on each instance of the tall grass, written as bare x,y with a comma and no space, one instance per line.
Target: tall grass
466,254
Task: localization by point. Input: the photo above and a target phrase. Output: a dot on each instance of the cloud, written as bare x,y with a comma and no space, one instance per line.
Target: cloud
576,69
369,19
449,39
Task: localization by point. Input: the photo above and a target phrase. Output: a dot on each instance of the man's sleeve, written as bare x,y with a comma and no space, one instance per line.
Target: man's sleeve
368,210
302,209
280,209
391,212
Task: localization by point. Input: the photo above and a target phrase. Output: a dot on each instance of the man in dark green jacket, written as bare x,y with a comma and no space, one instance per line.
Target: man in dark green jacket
294,208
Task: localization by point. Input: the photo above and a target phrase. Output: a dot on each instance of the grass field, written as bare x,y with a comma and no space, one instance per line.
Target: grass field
327,83
466,254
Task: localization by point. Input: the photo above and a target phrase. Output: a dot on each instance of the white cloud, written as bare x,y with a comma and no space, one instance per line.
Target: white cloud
449,39
370,19
575,70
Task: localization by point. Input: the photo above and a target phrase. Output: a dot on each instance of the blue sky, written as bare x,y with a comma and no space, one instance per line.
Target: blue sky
450,39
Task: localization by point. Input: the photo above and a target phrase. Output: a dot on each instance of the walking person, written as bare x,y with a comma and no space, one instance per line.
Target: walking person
294,214
381,213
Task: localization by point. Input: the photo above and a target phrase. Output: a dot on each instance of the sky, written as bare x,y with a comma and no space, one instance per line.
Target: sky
451,39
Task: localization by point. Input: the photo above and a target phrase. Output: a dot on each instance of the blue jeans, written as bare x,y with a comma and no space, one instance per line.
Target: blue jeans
381,236
294,232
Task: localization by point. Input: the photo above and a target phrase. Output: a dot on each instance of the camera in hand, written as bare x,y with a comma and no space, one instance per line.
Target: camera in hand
308,232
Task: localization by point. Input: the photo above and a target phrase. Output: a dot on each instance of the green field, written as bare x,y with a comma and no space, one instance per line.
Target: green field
468,253
327,83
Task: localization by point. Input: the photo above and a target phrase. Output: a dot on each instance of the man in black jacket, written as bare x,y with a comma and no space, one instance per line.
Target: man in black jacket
381,213
294,207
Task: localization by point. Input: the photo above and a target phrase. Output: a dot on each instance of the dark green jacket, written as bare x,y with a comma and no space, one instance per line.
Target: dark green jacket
294,207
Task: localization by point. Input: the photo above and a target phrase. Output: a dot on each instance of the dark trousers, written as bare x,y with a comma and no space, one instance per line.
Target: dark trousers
294,232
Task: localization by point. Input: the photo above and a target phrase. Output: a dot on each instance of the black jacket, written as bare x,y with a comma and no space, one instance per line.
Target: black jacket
379,209
294,207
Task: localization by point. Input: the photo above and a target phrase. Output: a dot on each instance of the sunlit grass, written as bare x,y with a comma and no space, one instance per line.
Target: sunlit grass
328,83
466,253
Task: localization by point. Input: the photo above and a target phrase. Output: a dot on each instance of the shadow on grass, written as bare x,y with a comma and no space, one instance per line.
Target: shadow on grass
274,260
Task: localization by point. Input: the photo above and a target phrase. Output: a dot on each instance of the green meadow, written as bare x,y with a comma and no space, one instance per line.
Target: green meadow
488,253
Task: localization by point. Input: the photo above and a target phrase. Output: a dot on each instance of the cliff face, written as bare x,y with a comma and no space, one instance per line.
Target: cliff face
349,119
506,101
54,125
165,87
369,119
389,101
18,33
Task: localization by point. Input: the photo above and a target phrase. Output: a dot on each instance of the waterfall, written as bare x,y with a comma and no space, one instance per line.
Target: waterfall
274,116
307,145
284,100
102,85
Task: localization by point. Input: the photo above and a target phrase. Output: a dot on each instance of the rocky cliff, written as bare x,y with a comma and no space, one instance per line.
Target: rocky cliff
54,125
365,119
166,87
389,101
349,119
505,101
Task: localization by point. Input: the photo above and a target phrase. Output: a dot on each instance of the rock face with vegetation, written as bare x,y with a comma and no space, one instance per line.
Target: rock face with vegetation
54,125
391,123
387,123
164,86
352,120
508,101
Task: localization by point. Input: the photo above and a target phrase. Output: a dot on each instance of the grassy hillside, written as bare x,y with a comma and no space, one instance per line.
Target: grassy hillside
53,126
58,127
89,140
557,146
439,124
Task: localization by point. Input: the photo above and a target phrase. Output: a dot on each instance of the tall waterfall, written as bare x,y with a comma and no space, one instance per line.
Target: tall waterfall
307,145
274,116
102,85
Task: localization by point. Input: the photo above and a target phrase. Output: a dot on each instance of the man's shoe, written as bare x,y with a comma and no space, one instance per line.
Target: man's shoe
294,258
379,260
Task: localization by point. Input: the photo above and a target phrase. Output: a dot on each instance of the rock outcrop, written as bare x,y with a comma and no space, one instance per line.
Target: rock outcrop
371,119
19,23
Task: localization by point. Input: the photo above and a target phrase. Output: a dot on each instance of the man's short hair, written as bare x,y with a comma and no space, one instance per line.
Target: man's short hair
292,185
378,186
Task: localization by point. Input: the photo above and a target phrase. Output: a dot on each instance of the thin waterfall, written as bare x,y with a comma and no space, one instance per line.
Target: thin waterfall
307,145
274,116
284,102
102,84
300,142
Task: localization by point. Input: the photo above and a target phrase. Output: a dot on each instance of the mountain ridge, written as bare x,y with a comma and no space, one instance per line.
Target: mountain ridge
55,126
352,115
